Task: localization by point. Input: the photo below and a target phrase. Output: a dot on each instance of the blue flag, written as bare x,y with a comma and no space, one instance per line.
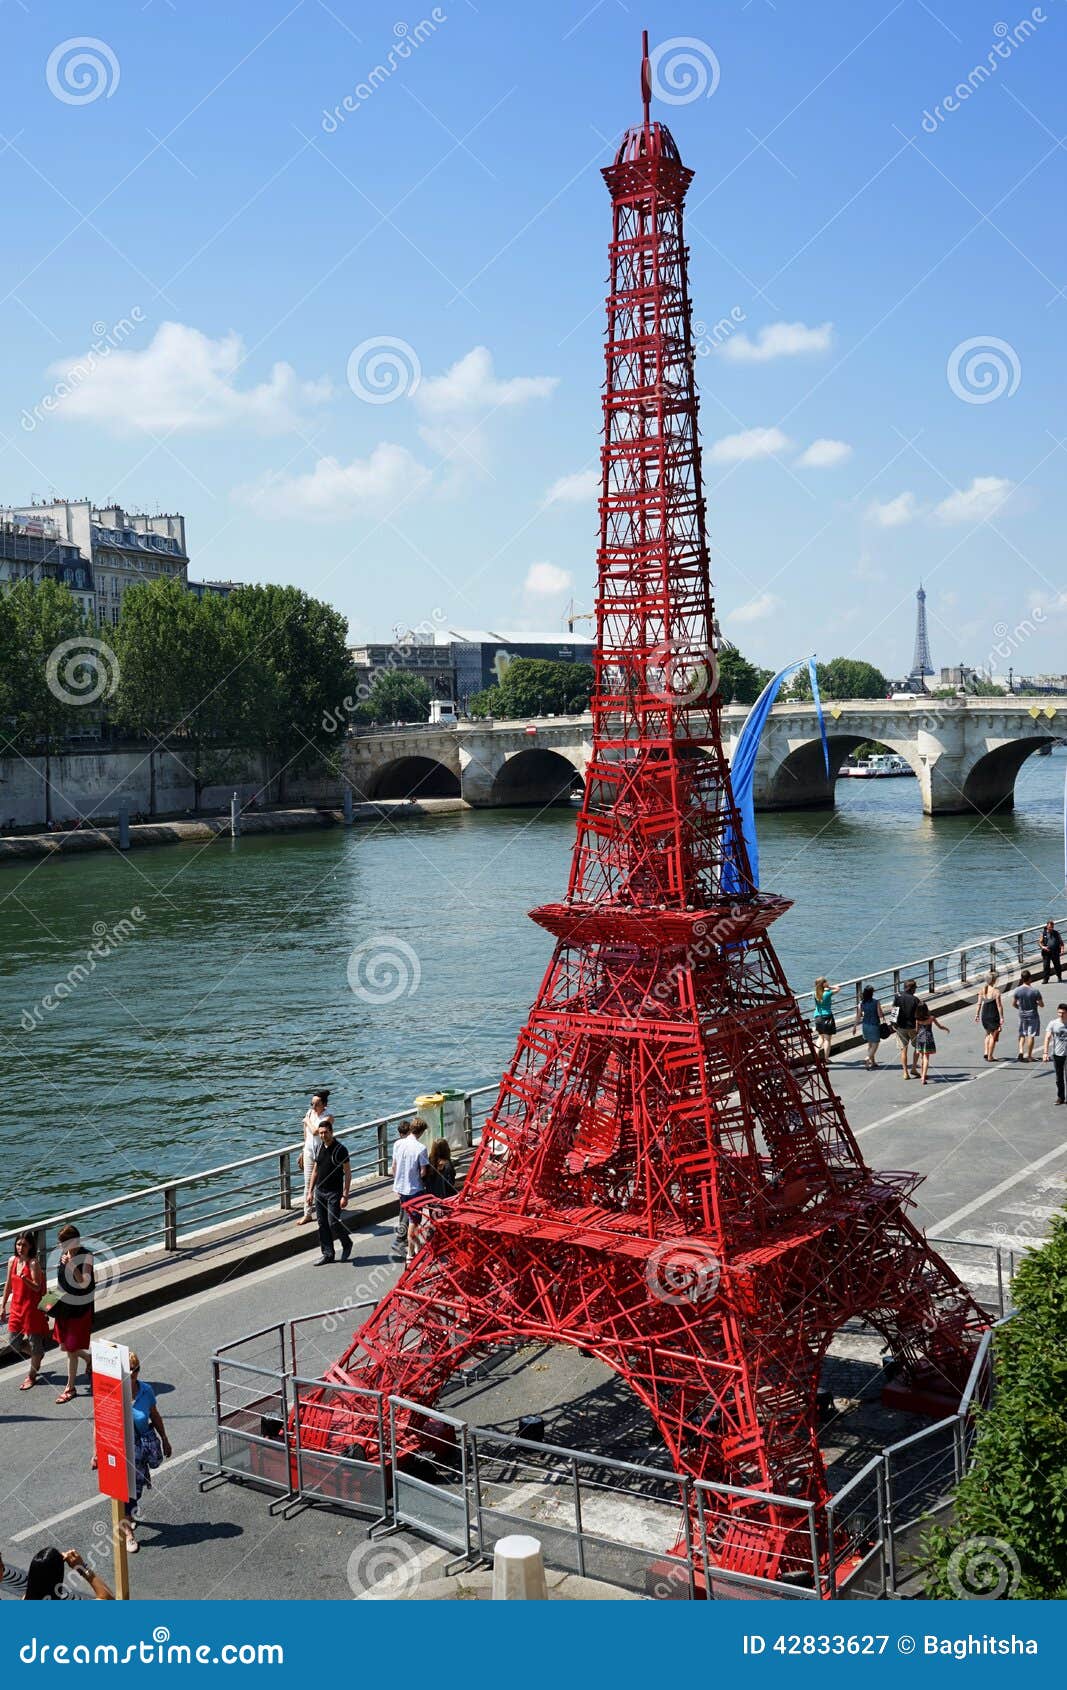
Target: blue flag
743,775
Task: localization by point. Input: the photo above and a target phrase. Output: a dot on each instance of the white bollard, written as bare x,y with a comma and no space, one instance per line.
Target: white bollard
519,1571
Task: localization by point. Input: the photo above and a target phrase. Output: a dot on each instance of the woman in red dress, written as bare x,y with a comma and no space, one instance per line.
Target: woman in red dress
73,1314
27,1325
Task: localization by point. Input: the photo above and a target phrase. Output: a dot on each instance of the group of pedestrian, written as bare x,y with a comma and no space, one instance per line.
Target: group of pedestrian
418,1174
913,1022
32,1312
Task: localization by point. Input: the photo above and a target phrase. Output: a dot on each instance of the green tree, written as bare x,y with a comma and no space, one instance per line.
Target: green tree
534,686
296,673
487,703
740,682
396,696
842,677
60,671
1015,1491
8,650
152,697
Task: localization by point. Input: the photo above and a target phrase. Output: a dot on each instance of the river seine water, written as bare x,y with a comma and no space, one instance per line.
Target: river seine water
197,1040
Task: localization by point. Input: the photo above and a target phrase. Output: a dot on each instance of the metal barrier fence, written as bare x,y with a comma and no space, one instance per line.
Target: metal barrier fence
648,1530
948,971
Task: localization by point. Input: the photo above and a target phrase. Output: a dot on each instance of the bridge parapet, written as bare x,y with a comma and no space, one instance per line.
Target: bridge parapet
965,753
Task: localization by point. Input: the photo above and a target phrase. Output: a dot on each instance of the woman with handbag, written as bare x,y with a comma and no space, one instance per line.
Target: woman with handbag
150,1444
990,1011
27,1324
824,1024
870,1021
73,1312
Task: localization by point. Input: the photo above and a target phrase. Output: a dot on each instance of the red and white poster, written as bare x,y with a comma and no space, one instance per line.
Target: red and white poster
113,1420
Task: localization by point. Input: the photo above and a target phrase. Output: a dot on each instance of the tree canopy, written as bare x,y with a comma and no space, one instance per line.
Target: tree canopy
842,677
396,696
740,682
534,686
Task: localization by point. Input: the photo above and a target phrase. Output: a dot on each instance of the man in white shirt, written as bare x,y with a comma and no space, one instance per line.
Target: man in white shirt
1056,1046
312,1122
409,1159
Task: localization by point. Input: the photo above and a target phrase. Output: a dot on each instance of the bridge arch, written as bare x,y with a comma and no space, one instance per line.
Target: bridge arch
797,780
413,776
989,785
535,775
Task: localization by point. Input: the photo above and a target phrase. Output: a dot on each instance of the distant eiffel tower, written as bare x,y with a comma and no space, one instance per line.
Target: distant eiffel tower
921,665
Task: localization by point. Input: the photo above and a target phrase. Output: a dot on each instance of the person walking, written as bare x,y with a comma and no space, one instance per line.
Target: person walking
150,1445
400,1236
317,1113
925,1022
824,1024
1051,943
27,1324
989,1010
906,1005
331,1180
1028,1001
1056,1047
439,1175
409,1160
73,1313
869,1020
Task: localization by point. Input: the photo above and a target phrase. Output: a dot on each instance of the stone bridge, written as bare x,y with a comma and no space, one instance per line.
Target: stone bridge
965,752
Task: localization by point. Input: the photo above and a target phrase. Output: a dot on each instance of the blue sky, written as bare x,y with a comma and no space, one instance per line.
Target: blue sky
227,234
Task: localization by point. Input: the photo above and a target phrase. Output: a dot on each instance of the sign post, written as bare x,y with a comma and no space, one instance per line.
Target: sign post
114,1445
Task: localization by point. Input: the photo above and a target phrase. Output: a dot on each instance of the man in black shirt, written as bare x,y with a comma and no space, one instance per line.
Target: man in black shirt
906,1005
330,1182
1051,952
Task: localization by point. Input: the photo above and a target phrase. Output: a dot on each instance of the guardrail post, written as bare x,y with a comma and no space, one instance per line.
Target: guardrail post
959,1454
816,1570
886,1511
170,1219
383,1147
963,968
831,1551
576,1484
468,1119
1020,945
1000,1283
285,1181
896,981
931,975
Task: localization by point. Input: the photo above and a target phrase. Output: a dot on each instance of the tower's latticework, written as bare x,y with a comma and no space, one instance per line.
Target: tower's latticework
921,665
667,1179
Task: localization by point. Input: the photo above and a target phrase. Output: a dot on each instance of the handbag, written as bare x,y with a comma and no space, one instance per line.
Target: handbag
151,1447
885,1031
825,1024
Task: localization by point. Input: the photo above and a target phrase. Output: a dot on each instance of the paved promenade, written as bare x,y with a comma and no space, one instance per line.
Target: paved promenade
988,1138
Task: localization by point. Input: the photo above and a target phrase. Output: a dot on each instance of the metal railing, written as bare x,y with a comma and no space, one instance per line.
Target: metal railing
962,968
648,1530
172,1215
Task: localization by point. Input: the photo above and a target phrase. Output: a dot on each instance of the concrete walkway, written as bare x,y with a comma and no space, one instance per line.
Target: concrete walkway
988,1138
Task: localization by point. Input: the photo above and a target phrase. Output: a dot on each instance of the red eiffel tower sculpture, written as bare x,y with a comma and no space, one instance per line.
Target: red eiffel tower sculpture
667,1179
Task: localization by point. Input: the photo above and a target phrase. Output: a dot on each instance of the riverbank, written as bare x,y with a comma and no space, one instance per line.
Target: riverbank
205,829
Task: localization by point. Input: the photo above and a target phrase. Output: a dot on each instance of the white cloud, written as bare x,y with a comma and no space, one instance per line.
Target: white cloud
471,385
750,443
975,503
824,454
777,340
575,489
757,609
182,380
545,580
895,512
333,489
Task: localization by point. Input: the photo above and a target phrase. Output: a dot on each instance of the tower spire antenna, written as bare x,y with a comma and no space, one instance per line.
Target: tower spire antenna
646,78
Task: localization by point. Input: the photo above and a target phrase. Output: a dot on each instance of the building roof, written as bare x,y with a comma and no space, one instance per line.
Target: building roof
497,636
